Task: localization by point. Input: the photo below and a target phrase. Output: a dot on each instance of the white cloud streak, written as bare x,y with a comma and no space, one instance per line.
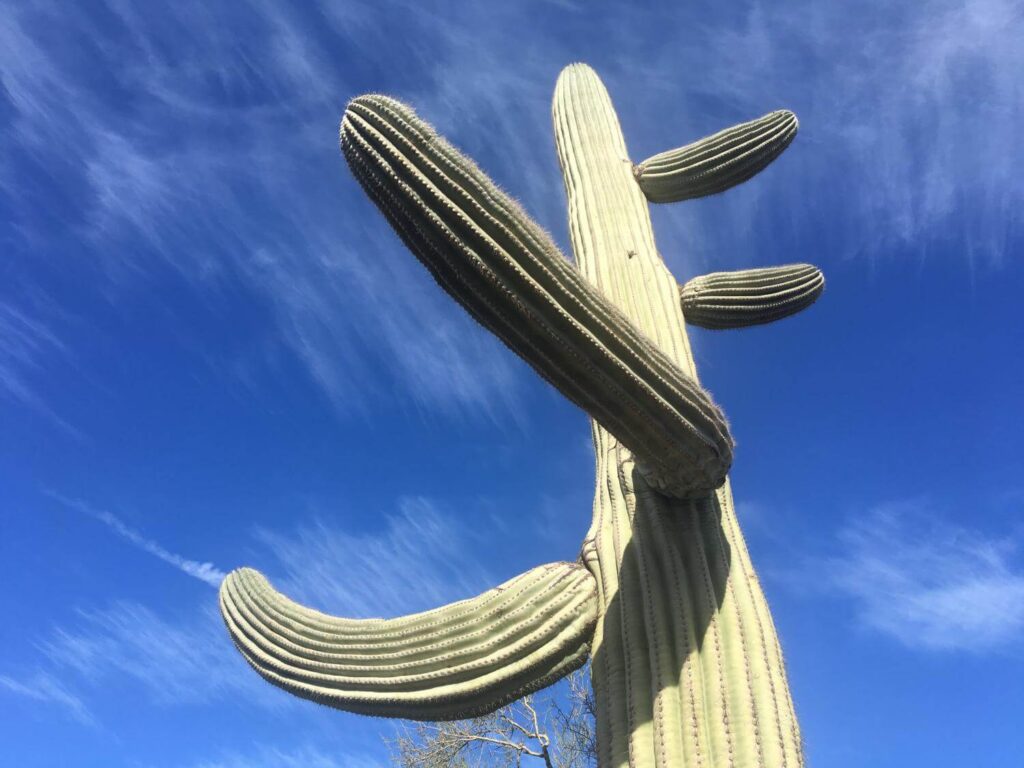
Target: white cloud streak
179,661
929,584
26,344
205,572
909,118
419,560
222,176
45,687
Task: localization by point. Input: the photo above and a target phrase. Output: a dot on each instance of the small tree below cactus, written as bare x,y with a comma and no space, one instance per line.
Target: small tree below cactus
554,728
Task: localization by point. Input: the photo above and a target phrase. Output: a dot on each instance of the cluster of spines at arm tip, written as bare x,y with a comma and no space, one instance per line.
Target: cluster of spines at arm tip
750,296
459,661
717,162
509,275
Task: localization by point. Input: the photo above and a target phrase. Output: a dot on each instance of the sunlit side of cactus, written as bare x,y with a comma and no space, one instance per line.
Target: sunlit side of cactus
686,665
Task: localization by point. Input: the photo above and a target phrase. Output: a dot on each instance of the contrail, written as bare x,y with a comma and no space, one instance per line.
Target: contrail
203,571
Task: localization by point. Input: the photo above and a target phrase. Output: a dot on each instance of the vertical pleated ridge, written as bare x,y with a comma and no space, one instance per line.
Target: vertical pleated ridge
750,296
717,162
462,660
498,264
686,665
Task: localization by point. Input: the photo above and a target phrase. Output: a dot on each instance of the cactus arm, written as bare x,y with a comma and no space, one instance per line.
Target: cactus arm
750,296
717,162
462,660
687,668
496,262
686,665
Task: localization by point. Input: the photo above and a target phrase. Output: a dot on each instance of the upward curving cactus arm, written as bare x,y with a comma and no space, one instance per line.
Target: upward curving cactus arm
508,273
750,296
717,162
462,660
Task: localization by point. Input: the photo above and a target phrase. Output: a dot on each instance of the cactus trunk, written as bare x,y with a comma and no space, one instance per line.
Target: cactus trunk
687,669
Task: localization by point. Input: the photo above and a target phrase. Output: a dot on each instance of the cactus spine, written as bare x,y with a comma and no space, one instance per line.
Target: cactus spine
686,666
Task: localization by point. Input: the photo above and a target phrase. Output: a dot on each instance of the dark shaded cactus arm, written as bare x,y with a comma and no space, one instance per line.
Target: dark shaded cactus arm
717,162
508,273
750,296
462,660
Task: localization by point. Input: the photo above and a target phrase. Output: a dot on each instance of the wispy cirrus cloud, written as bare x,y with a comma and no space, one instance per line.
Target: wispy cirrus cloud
419,560
909,117
223,165
26,346
205,572
930,584
44,687
181,661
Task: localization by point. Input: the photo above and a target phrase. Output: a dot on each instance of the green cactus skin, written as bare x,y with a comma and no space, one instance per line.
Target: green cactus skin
461,660
686,666
717,162
508,273
750,296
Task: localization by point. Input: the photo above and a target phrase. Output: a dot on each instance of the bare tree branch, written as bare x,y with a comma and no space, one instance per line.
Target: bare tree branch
562,737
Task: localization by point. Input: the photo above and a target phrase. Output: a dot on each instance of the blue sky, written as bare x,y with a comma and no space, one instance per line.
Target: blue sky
214,353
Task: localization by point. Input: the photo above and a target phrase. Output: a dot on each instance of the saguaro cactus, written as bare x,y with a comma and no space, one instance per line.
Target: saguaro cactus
686,666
